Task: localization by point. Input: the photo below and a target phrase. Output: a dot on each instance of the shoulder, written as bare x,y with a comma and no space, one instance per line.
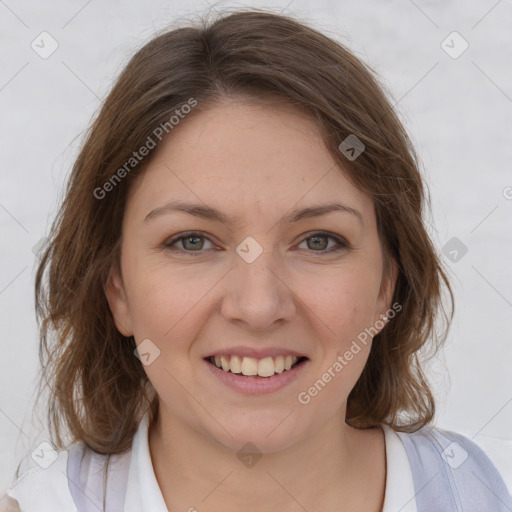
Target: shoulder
61,480
451,447
8,504
453,469
42,483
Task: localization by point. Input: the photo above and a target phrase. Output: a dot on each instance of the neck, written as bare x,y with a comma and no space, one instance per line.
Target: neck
339,468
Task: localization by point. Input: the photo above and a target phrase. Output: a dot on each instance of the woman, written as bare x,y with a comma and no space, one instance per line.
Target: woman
239,283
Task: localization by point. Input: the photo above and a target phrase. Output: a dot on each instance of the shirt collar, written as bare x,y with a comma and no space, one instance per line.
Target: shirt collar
400,493
143,492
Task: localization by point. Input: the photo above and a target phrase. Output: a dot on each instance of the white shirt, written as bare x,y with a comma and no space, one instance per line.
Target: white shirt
47,490
399,495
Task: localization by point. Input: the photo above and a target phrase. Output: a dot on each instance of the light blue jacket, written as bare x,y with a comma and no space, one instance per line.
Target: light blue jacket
450,474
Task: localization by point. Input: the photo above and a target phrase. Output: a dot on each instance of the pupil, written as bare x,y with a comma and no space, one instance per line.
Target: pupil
316,238
186,240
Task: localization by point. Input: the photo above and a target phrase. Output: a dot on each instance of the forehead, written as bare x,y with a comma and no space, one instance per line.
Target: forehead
248,159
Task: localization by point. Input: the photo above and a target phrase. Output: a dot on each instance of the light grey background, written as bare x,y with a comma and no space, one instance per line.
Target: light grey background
457,110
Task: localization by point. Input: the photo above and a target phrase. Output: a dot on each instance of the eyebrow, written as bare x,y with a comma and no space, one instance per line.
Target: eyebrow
209,213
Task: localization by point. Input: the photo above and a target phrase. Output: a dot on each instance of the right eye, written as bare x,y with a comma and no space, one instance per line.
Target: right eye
190,242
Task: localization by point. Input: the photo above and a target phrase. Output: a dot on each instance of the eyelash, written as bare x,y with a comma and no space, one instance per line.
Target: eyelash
341,244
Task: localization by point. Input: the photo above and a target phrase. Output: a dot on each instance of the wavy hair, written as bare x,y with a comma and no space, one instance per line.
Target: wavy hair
98,388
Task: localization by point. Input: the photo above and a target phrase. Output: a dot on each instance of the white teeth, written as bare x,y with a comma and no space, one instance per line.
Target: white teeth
265,367
235,364
249,366
279,364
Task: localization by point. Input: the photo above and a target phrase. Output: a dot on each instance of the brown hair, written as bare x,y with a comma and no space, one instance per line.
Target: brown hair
99,389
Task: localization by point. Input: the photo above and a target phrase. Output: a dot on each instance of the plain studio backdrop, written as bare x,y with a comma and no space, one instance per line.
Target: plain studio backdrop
446,65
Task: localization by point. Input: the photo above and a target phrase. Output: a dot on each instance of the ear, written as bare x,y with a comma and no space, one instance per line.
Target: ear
387,288
118,302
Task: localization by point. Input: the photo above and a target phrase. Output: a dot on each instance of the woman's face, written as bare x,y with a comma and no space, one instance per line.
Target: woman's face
256,278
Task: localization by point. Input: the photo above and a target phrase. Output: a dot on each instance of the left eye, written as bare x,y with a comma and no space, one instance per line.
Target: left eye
194,242
318,242
190,242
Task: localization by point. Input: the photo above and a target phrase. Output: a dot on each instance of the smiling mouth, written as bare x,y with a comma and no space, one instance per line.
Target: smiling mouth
252,367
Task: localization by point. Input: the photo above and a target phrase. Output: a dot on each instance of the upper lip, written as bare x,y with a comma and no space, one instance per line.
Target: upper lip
257,353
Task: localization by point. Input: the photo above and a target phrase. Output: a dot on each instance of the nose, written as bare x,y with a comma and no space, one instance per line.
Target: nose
257,293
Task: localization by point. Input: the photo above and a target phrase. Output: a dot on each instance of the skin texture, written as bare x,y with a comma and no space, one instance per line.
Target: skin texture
255,162
7,504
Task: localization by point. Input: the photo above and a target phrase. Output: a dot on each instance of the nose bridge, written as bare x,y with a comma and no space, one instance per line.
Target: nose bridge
256,267
256,292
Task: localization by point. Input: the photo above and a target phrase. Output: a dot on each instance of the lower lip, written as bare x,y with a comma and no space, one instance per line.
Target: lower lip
256,385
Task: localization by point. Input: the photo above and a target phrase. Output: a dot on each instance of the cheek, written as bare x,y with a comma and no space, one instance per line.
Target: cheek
344,301
343,304
163,299
165,309
169,309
